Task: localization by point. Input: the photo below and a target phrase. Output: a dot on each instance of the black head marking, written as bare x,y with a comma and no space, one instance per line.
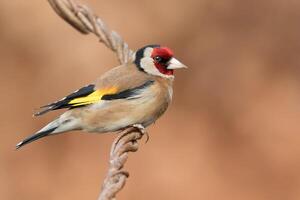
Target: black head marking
140,54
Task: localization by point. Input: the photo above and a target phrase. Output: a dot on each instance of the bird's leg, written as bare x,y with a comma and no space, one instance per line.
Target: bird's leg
142,130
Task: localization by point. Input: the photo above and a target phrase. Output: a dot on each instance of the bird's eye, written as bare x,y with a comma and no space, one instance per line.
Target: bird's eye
158,59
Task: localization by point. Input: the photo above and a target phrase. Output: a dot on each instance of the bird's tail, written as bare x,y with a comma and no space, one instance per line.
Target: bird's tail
47,130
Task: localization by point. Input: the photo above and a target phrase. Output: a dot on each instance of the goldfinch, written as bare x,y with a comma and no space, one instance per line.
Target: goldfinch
135,93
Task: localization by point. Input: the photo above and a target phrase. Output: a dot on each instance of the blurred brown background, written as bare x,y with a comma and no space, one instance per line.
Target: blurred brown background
231,133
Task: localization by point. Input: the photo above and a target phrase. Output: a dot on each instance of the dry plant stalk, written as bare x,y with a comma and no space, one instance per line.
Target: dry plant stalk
85,21
116,177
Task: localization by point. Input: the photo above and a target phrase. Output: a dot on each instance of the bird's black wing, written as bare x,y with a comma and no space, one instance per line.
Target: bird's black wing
131,93
89,95
65,102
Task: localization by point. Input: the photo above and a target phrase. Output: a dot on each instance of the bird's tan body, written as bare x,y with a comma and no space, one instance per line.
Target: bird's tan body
133,94
106,116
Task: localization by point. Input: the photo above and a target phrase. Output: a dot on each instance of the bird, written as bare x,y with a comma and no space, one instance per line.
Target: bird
136,94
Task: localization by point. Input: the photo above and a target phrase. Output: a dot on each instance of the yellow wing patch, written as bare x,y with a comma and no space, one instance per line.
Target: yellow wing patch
93,97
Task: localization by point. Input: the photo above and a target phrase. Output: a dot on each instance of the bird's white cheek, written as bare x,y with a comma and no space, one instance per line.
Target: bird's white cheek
148,66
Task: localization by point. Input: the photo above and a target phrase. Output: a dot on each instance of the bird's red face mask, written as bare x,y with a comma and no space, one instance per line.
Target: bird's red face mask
164,61
157,60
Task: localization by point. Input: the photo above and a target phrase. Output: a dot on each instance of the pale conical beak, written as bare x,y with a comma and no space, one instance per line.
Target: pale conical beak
175,64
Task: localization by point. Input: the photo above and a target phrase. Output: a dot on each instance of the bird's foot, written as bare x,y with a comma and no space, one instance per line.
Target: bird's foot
142,130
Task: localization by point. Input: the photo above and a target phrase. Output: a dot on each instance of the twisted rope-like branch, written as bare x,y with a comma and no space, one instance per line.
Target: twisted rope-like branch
116,177
85,21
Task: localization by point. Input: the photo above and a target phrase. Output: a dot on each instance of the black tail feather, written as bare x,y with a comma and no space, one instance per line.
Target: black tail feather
43,110
35,137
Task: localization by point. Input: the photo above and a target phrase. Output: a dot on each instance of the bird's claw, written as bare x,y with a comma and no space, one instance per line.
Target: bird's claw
142,130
